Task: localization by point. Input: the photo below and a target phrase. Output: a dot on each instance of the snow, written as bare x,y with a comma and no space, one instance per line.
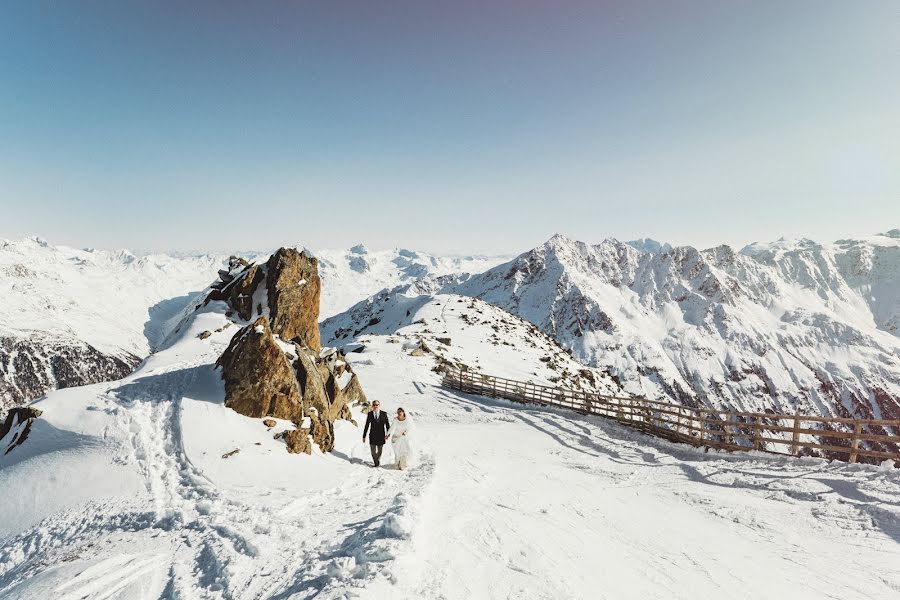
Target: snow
344,379
123,491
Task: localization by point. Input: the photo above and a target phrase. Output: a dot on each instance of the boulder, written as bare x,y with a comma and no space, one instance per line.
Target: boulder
297,441
270,423
293,287
259,379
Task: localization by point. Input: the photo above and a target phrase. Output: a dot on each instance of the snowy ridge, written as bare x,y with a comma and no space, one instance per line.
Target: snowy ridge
461,331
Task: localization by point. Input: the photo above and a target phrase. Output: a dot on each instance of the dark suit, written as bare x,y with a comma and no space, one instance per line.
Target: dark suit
380,427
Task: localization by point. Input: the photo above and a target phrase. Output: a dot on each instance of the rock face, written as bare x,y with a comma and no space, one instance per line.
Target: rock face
31,367
259,380
293,289
274,367
16,427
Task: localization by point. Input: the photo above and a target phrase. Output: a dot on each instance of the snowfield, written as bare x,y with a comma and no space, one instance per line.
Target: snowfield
124,490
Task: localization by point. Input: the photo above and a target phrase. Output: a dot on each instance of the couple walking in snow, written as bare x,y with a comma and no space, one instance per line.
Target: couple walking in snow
381,431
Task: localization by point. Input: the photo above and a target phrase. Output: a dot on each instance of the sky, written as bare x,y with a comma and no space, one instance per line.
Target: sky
451,127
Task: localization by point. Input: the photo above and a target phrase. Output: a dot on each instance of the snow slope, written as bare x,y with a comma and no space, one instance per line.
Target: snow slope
123,490
783,326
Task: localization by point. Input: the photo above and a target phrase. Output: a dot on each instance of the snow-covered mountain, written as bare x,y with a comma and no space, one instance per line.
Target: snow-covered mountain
73,317
780,326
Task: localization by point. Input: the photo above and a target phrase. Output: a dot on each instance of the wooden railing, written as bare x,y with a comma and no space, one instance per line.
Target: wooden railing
851,440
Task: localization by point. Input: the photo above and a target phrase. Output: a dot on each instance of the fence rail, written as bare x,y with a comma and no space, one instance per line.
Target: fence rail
841,438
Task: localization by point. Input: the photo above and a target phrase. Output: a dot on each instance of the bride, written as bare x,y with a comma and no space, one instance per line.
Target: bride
400,433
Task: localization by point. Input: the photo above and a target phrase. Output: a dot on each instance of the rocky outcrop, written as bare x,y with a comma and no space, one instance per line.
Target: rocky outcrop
259,380
274,367
16,427
293,289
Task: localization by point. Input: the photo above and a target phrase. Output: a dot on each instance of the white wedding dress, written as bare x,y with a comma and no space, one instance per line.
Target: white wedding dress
400,434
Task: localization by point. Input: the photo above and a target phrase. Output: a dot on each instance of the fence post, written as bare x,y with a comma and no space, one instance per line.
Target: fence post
795,434
755,423
854,446
702,426
460,381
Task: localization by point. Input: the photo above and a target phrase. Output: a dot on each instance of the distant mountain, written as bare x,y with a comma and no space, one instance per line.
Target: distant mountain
72,317
782,326
348,276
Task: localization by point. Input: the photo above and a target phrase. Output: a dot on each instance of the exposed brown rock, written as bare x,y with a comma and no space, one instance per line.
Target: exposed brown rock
297,441
269,422
293,288
232,453
259,380
204,335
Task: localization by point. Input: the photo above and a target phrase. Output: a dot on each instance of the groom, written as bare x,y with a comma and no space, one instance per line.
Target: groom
380,426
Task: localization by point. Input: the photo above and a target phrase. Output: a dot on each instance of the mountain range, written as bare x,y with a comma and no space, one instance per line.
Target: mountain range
785,326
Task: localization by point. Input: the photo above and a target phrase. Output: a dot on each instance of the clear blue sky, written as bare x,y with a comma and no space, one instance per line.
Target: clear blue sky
465,126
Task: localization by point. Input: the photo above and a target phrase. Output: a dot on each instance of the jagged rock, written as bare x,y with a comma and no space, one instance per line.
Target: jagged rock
16,427
259,380
297,441
293,291
269,422
240,292
235,263
238,289
204,335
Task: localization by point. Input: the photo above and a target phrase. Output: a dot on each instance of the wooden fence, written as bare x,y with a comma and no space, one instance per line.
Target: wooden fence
847,439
